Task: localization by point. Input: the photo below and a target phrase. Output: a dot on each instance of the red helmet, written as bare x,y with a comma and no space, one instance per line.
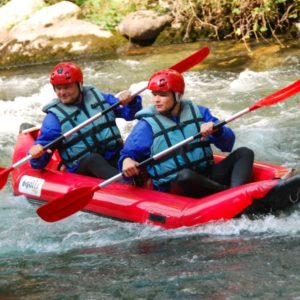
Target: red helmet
166,80
66,72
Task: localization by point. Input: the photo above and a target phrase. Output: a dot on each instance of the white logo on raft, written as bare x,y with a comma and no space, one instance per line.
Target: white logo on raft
31,185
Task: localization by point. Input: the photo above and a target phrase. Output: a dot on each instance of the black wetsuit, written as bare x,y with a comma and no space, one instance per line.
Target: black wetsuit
234,170
97,166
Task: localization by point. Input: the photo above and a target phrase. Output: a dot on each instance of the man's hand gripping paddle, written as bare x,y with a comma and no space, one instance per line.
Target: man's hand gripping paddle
181,67
78,198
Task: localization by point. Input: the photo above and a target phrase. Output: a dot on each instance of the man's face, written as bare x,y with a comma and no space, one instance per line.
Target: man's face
163,100
67,93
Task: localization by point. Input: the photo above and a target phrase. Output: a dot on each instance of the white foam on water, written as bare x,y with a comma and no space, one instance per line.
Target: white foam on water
21,85
23,231
267,131
250,81
24,109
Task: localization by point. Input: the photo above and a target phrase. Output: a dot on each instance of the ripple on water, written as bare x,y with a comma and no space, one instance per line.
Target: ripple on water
88,257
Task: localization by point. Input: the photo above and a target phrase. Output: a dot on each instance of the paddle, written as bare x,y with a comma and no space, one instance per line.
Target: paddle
181,67
52,145
274,98
78,198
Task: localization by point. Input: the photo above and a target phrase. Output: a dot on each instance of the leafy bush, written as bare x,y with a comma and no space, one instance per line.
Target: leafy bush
240,19
216,19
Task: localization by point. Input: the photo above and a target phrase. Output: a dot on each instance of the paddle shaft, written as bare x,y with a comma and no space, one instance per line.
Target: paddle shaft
274,98
159,155
56,142
75,200
180,67
167,151
78,198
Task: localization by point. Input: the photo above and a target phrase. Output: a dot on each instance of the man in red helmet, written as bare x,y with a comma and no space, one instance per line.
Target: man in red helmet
170,120
94,149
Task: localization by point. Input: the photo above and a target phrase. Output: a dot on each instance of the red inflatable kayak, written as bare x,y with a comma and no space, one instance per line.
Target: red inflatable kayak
135,204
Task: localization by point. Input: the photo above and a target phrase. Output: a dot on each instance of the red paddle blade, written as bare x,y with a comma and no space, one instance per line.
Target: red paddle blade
4,176
66,205
191,61
278,96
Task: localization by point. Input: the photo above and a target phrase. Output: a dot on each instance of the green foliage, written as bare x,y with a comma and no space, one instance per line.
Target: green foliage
109,13
106,13
236,11
111,18
3,2
217,19
240,19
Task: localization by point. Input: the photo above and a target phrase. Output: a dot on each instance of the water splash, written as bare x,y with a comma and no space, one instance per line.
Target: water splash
23,232
24,109
273,134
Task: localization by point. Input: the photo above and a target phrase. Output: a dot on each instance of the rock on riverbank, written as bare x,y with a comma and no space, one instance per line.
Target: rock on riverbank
31,33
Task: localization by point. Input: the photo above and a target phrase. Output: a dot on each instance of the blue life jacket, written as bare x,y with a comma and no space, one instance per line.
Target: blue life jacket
99,136
197,155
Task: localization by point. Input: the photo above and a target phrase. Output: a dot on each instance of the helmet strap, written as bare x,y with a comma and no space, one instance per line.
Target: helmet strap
80,96
177,96
176,99
80,85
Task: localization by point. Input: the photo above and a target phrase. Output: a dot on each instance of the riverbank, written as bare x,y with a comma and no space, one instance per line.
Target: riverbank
54,30
194,20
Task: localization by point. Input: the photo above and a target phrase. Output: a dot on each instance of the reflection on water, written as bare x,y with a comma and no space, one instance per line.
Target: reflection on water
88,257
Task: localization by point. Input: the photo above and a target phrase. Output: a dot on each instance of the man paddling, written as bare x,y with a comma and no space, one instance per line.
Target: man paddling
192,171
94,149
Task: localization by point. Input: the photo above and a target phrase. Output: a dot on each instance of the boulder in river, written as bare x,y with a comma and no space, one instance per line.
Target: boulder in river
144,26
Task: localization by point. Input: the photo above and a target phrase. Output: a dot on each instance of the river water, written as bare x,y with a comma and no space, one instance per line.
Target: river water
89,257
